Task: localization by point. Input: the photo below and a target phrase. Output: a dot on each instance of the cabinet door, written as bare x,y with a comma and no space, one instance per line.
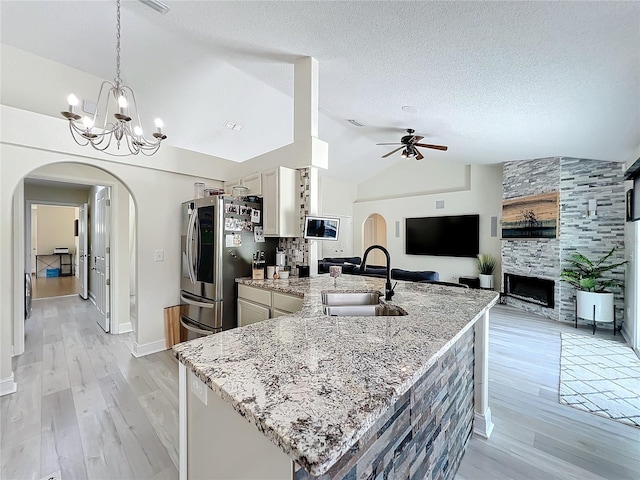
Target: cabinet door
286,303
253,183
249,313
228,186
278,313
270,207
288,205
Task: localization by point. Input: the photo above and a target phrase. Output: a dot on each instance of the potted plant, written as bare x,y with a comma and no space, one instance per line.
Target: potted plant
486,266
593,301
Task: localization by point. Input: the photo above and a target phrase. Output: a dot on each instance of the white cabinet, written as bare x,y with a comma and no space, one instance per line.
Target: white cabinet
344,246
258,304
280,210
285,303
253,182
249,312
218,444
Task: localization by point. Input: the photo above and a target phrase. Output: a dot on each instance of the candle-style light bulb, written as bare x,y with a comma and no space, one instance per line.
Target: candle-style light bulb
159,124
87,122
122,103
73,101
137,130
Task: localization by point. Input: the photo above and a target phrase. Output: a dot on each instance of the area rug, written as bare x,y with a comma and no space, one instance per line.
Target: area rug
600,376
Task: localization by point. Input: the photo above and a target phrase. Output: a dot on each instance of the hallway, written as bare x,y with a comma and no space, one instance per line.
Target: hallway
85,407
44,287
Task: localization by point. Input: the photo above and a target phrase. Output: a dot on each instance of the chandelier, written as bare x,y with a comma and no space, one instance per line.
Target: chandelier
119,109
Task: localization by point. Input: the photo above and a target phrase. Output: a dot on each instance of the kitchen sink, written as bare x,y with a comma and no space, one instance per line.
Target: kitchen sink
333,298
364,310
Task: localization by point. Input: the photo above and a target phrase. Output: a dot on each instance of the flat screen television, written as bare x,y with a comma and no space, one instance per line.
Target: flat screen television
321,228
449,236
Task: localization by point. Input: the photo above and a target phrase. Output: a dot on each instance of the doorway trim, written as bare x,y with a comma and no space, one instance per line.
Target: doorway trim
20,206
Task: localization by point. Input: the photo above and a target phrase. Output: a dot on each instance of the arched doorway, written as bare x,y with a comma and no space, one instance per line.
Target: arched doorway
374,232
117,294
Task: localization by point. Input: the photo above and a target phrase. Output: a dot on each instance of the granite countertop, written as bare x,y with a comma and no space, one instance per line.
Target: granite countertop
314,384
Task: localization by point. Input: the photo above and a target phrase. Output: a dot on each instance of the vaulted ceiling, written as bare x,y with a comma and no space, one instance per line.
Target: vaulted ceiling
494,81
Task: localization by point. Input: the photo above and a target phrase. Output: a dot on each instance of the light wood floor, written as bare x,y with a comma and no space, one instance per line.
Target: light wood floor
86,408
535,437
43,287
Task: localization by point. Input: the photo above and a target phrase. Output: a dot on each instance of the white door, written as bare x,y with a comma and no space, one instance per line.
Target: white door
83,239
100,256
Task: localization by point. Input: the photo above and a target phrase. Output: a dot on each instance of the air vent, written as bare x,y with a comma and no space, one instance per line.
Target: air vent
233,126
356,123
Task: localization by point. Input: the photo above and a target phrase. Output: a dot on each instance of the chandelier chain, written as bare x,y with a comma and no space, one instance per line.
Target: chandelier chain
118,79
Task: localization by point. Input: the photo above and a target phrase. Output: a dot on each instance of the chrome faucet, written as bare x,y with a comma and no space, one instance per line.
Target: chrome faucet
388,289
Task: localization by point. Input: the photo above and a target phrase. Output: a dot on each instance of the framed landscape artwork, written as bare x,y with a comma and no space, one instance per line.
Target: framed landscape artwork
531,217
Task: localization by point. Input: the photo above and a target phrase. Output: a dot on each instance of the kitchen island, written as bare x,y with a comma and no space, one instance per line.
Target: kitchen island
306,395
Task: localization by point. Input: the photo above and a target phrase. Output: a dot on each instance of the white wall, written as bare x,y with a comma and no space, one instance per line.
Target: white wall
157,195
474,189
336,197
55,228
631,325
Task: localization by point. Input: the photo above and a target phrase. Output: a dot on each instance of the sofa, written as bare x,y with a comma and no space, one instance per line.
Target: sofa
347,264
351,265
414,275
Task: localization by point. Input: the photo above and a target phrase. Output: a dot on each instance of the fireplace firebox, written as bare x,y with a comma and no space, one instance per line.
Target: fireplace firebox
530,289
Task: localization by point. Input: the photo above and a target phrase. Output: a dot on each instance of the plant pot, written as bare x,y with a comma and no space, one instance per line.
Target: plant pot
486,281
598,304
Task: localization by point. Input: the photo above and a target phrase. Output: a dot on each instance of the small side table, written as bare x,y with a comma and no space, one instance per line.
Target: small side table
471,282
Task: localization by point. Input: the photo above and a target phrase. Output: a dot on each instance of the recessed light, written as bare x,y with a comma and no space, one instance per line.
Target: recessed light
409,109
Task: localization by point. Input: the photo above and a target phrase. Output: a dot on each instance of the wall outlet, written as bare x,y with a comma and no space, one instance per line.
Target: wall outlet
158,255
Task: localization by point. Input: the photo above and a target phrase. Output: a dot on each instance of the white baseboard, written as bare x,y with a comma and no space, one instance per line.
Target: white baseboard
482,424
7,385
148,348
125,328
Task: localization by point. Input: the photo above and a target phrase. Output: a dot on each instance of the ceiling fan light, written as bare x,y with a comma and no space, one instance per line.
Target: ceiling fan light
405,153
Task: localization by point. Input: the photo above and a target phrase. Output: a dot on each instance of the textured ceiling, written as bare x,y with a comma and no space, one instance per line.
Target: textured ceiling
494,81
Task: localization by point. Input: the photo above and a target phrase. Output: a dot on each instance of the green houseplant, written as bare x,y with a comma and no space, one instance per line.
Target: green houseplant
486,266
593,301
589,275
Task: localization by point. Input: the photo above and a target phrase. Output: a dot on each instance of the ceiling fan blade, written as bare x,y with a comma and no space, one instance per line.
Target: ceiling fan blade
394,143
393,151
415,139
419,156
435,147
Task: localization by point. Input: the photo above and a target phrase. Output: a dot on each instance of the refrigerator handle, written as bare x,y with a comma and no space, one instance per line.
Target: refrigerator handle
195,302
190,230
194,329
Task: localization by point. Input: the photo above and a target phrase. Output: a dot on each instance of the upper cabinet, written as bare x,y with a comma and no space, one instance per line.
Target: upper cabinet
253,182
280,211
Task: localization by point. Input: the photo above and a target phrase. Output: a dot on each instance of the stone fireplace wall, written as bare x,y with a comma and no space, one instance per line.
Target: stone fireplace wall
536,257
578,181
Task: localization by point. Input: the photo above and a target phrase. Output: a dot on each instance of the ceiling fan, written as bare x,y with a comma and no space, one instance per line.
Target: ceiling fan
409,143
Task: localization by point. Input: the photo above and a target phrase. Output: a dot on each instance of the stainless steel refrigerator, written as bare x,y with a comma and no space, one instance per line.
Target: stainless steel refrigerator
217,241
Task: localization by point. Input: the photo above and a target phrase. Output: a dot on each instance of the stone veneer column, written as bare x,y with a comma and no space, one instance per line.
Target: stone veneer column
578,181
536,257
